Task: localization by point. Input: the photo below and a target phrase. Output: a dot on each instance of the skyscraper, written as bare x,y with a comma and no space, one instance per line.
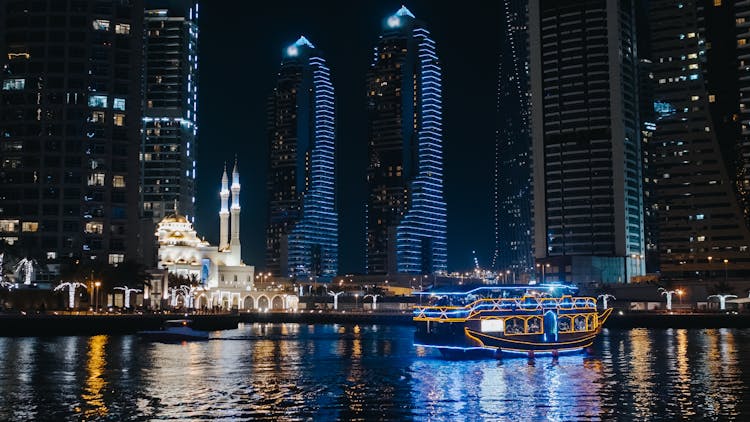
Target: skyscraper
697,146
169,108
588,209
302,235
512,177
70,112
406,212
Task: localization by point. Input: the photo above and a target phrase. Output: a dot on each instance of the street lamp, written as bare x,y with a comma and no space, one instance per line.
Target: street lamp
710,258
356,300
726,263
680,292
96,294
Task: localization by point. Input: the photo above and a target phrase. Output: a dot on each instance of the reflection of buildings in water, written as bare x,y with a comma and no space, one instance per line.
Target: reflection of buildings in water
684,375
715,370
92,396
640,358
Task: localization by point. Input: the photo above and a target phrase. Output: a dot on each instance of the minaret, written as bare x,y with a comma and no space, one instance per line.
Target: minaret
235,242
224,213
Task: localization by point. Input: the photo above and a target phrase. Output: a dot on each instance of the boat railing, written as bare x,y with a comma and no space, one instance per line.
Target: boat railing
526,304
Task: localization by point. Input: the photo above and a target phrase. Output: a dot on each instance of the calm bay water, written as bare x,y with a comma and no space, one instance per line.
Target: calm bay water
329,372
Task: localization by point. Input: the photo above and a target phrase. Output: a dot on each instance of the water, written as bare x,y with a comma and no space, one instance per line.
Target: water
329,372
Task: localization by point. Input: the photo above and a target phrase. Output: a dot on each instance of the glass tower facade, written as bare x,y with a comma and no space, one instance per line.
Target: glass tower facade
588,203
512,176
70,111
698,62
169,108
406,211
302,235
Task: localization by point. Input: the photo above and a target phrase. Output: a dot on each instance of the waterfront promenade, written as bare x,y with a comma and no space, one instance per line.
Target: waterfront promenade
87,323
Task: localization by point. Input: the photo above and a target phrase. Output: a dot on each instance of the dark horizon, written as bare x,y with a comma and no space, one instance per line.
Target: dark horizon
247,46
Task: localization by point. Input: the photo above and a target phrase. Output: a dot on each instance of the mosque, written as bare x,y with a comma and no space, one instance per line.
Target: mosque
224,281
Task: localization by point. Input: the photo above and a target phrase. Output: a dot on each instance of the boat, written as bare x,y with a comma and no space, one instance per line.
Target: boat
175,330
497,320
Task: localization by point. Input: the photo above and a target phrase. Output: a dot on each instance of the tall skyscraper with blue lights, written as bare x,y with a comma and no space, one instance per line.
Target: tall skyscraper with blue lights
406,211
512,176
302,235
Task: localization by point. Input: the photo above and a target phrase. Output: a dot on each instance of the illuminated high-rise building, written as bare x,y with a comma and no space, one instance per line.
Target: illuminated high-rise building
170,107
70,113
406,211
588,204
699,145
512,176
302,235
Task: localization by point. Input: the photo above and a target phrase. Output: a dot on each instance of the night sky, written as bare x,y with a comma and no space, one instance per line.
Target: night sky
240,52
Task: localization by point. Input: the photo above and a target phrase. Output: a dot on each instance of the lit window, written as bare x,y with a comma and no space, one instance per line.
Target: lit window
98,101
96,179
29,226
14,84
119,119
695,98
693,66
116,258
51,255
101,25
97,116
122,28
701,238
691,34
118,181
741,41
118,104
8,225
712,98
717,2
94,227
700,216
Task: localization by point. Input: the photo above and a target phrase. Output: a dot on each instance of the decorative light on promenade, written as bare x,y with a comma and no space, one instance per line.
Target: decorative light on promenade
668,294
71,286
127,291
25,270
374,300
605,297
335,299
722,300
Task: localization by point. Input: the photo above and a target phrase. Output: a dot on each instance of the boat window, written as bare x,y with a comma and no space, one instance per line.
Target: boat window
534,325
514,326
563,324
580,323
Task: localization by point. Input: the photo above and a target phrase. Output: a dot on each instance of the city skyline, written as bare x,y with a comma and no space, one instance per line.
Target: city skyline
471,190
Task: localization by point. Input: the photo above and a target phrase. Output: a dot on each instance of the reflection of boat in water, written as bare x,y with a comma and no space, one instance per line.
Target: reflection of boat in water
499,319
175,330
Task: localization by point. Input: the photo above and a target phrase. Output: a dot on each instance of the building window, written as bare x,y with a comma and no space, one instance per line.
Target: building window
51,255
741,41
98,101
101,25
8,225
118,182
116,258
118,104
14,84
97,117
29,226
717,3
122,28
701,238
235,277
94,227
712,98
119,119
96,179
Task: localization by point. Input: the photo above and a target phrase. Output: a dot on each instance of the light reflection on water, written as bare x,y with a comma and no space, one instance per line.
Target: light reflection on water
304,372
